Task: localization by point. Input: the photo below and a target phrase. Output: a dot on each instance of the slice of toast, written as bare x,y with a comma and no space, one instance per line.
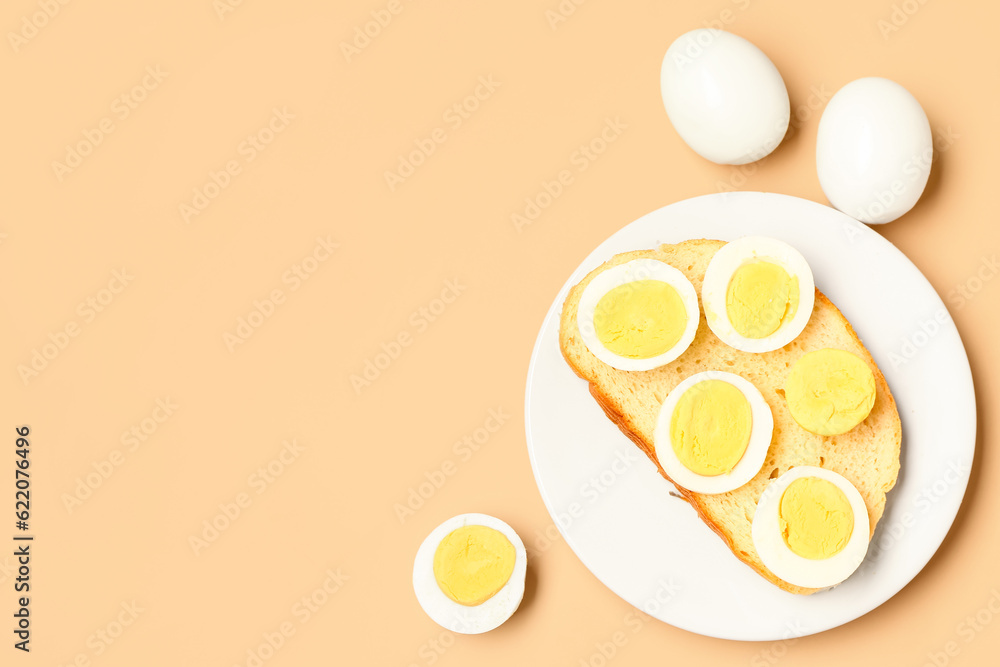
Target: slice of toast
868,455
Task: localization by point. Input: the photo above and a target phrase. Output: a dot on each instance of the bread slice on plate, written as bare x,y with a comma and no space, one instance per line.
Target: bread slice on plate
868,455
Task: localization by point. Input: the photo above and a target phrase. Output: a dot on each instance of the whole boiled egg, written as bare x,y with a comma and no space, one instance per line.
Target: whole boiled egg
469,573
811,527
638,315
713,432
758,294
724,97
874,150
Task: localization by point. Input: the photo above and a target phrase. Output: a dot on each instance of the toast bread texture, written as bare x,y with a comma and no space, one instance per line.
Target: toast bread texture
867,455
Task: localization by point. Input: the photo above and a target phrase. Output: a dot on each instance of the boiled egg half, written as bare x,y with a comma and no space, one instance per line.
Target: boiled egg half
758,294
638,315
713,432
811,527
469,573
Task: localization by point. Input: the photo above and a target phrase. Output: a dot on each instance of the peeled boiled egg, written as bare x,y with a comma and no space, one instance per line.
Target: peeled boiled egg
873,150
811,527
638,315
713,432
724,96
758,294
469,573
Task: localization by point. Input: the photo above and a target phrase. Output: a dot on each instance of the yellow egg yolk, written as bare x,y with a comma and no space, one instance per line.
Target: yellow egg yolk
761,296
472,563
829,391
710,427
816,518
640,319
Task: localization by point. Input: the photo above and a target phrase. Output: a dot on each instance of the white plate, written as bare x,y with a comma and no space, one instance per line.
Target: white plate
617,513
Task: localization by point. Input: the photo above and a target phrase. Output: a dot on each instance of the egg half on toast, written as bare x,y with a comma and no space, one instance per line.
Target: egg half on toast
803,515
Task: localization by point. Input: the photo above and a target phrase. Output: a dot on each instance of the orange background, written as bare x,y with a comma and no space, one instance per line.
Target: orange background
169,327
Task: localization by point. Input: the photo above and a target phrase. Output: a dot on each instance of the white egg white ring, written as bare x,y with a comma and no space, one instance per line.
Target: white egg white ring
761,429
456,617
622,274
789,566
719,272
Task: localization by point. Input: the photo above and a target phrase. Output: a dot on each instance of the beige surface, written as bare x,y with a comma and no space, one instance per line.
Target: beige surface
436,265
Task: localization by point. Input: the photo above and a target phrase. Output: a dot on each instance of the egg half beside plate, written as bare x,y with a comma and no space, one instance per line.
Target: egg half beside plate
469,573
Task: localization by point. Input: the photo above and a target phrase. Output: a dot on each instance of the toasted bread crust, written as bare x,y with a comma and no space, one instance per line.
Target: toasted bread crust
868,455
